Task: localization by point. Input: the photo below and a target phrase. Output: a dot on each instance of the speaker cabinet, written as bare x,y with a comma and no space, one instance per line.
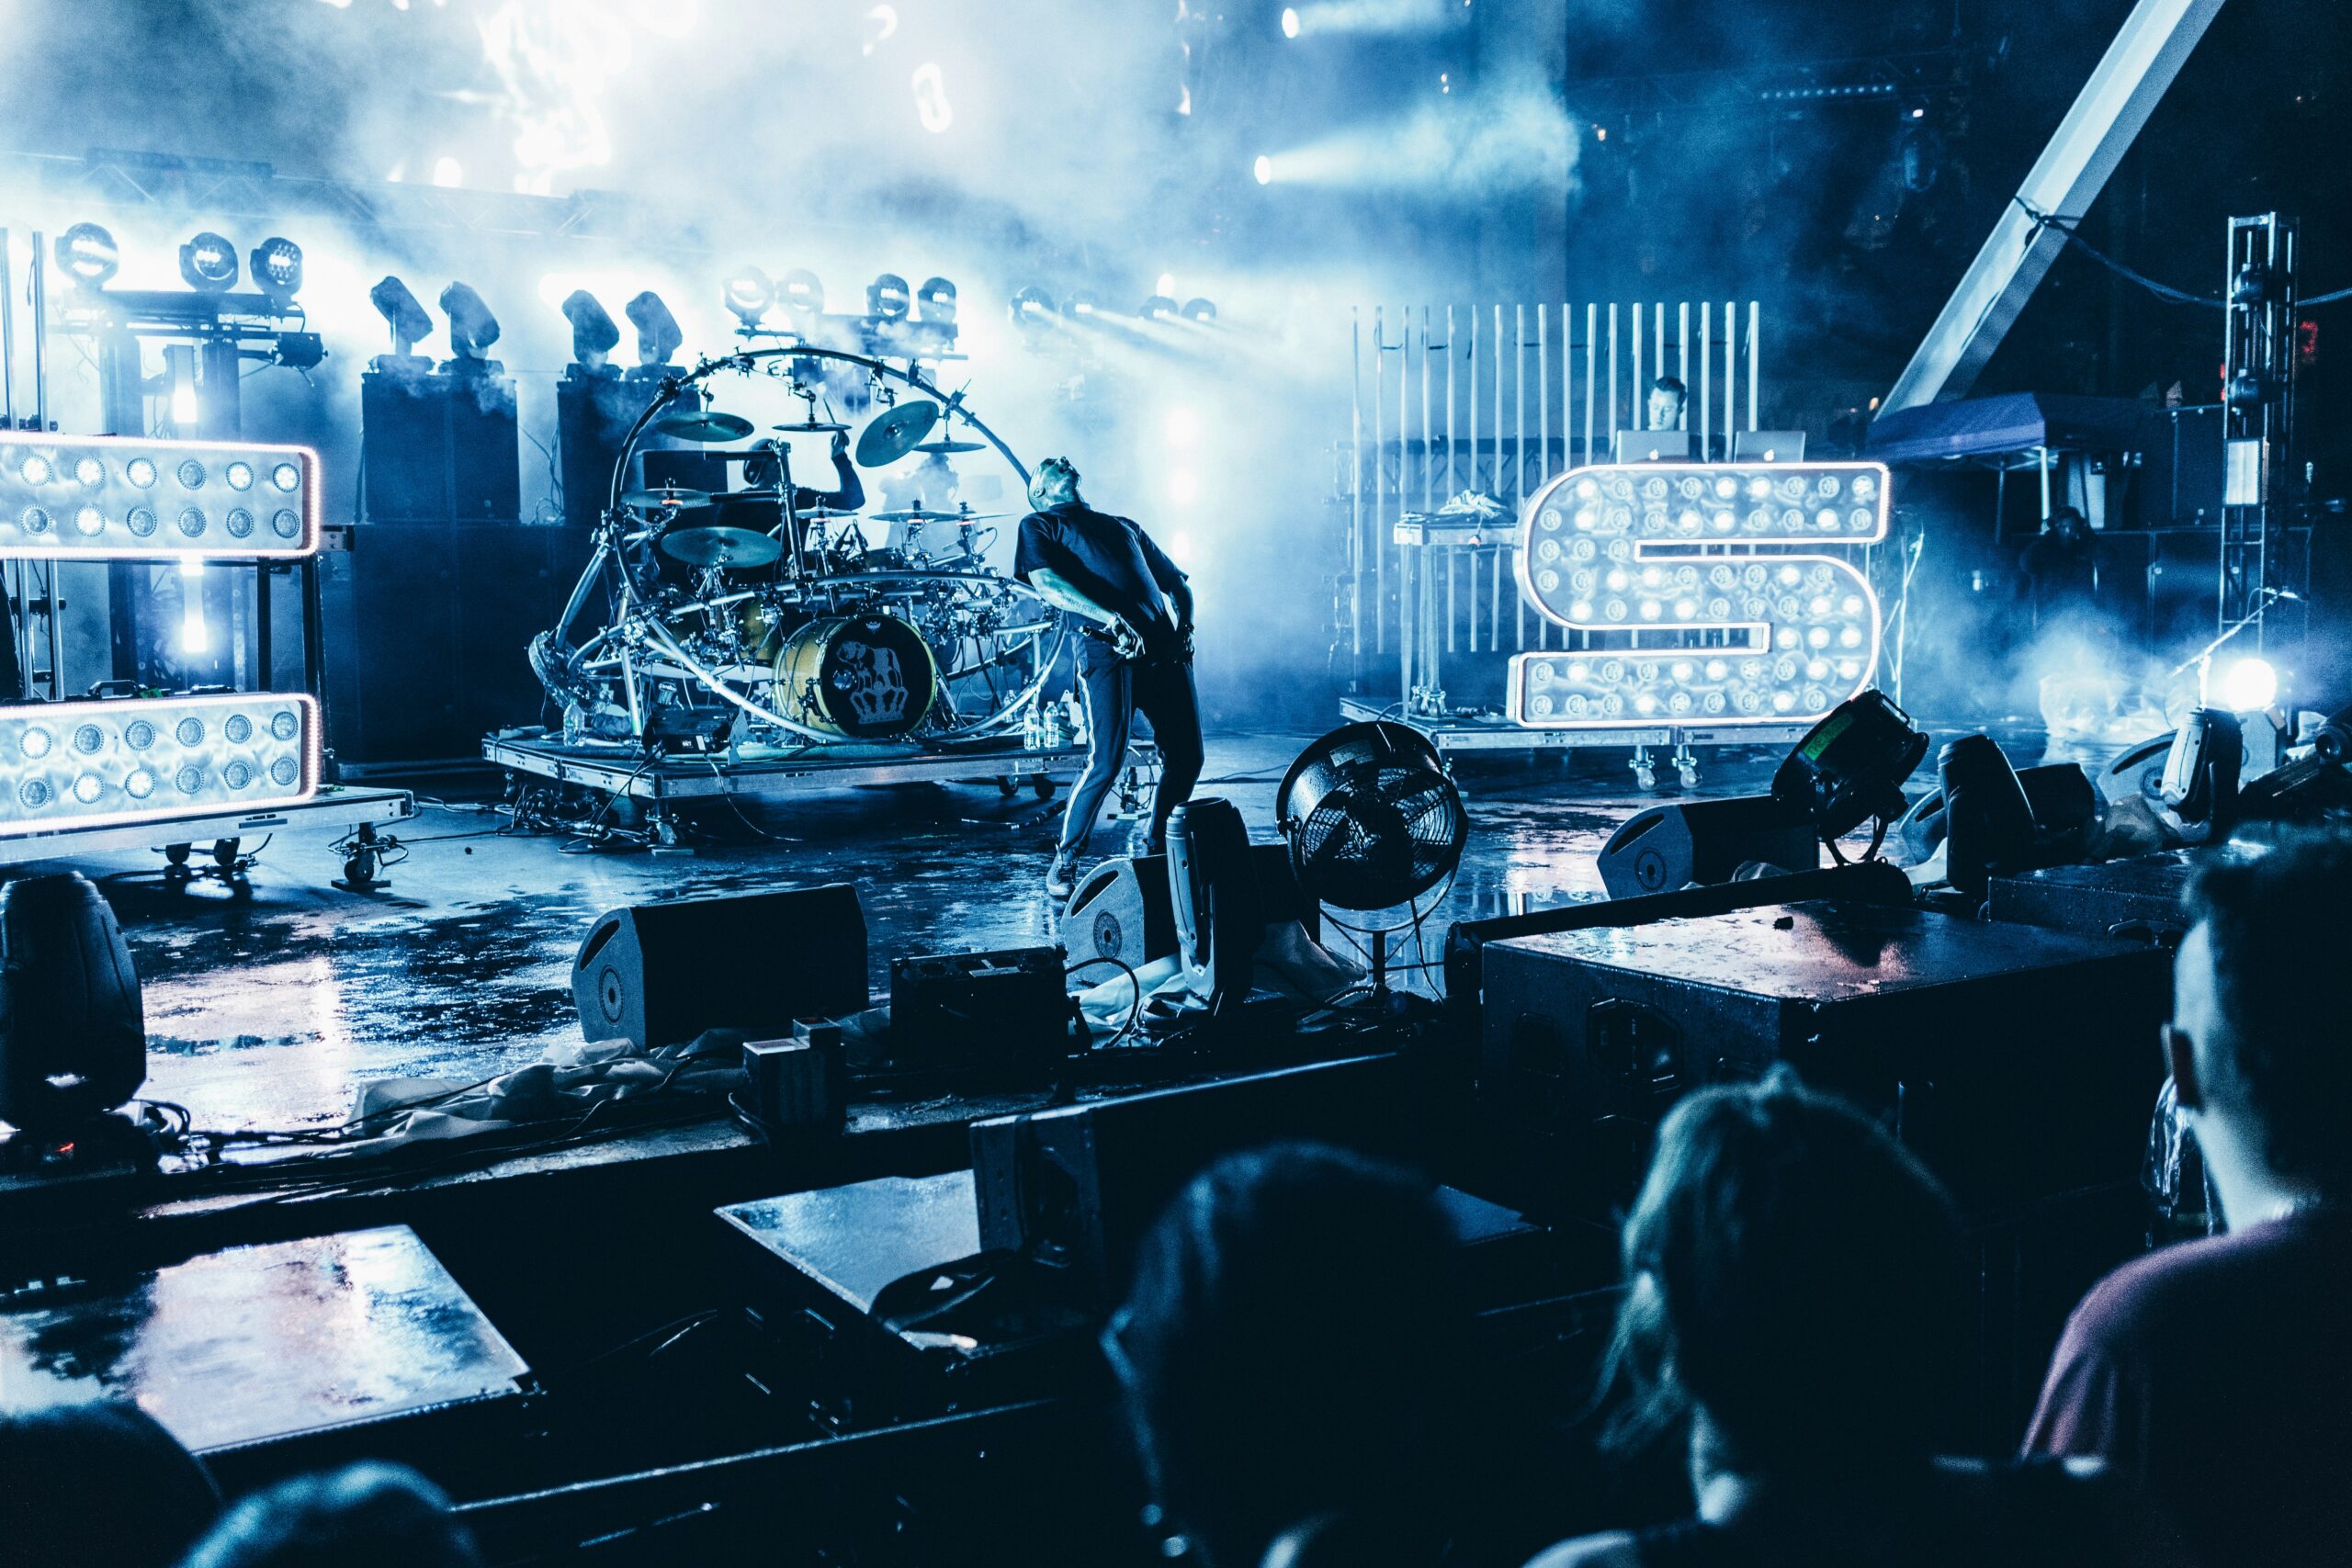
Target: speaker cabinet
1123,908
1671,846
660,973
441,445
426,630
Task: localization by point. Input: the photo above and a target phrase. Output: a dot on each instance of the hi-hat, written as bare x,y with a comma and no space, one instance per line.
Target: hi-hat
945,446
811,427
720,547
893,433
707,426
673,498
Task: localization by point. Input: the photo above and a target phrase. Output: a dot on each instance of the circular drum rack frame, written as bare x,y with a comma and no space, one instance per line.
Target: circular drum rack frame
636,628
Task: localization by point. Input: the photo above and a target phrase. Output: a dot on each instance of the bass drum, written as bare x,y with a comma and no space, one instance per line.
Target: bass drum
859,677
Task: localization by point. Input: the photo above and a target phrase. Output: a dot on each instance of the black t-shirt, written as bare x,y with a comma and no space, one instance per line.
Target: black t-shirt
1112,562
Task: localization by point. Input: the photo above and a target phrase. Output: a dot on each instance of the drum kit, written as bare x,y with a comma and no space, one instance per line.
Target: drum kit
761,601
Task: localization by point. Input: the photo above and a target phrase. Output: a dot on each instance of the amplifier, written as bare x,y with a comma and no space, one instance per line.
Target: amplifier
442,447
1074,1188
2017,1062
1008,1011
2137,898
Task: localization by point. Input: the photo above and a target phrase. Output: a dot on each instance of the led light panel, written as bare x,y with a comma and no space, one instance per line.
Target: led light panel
95,764
119,497
1695,599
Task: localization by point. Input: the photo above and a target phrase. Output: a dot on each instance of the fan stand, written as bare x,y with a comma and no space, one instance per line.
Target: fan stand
1380,994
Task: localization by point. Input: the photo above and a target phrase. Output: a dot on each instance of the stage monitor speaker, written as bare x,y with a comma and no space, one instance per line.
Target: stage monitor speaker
1706,842
1124,909
1074,1188
442,447
660,973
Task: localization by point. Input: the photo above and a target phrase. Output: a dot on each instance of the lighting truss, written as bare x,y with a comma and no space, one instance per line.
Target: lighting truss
1689,593
129,498
129,760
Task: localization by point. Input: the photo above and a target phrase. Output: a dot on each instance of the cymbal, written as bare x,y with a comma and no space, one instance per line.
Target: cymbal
707,426
922,516
946,447
893,433
720,547
809,426
673,498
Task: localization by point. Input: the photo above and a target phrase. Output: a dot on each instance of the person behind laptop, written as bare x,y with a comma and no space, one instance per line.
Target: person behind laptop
2217,1372
1667,396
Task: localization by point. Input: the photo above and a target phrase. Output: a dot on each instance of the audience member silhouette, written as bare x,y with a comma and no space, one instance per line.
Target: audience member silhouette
1288,1351
368,1516
101,1482
2215,1371
1794,1303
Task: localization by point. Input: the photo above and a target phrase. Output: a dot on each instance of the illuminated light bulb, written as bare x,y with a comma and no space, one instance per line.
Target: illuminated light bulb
1817,637
1865,486
2249,685
1718,670
89,473
89,521
1617,582
1685,609
1690,522
1587,517
1651,609
36,471
1550,521
1826,517
184,409
1723,523
1820,605
140,471
1727,487
139,784
1683,669
1792,576
1580,611
1851,669
1645,704
239,475
1850,638
1263,170
1652,576
1851,604
1817,670
1580,670
1587,489
87,788
1784,701
1760,487
1785,637
36,742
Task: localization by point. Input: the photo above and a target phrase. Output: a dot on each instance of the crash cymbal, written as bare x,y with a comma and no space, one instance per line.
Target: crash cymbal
720,547
707,426
894,432
951,446
671,497
809,427
917,516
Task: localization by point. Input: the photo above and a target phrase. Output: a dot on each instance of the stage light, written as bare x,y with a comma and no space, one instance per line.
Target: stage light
208,264
1083,303
658,333
448,173
86,764
803,292
1166,284
936,299
277,269
89,254
887,298
931,99
1200,311
1032,306
106,497
1159,308
472,328
1756,617
195,635
2249,684
593,335
1290,21
749,294
1264,169
300,351
1182,428
401,312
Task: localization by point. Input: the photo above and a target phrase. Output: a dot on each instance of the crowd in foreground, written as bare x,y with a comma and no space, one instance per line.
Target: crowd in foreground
1794,1291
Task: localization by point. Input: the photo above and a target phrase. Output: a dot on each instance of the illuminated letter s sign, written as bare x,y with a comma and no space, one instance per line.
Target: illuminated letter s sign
1689,596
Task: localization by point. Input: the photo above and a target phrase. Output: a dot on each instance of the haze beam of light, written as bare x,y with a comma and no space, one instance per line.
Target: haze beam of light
1376,16
1513,141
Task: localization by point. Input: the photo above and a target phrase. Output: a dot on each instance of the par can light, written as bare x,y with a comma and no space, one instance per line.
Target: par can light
89,254
278,268
112,763
749,294
104,498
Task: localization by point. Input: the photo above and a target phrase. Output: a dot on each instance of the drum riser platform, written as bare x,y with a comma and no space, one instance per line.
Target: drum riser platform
679,779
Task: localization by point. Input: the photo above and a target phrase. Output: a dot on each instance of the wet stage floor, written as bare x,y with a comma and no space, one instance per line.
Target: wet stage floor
271,1013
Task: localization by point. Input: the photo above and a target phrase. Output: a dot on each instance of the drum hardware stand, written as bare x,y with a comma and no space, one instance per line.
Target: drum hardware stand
1135,789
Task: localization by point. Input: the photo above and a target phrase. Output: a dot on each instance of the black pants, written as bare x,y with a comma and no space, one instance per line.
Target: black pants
1113,691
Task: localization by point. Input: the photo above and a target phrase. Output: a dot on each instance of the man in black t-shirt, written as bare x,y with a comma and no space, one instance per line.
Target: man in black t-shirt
1134,650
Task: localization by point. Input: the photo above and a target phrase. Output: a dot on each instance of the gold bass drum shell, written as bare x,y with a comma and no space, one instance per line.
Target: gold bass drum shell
858,677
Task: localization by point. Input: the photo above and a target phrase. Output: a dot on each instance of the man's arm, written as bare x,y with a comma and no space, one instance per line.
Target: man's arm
848,493
1063,594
